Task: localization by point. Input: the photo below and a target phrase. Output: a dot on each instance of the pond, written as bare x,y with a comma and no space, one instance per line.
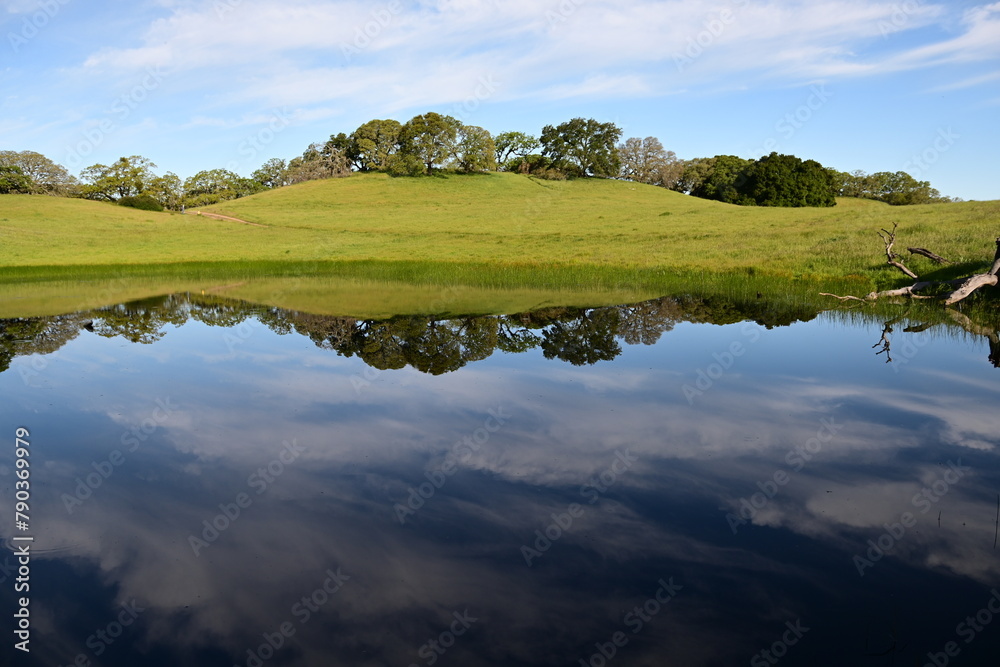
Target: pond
686,480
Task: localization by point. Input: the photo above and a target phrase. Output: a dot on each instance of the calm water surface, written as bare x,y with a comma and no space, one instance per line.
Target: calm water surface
219,484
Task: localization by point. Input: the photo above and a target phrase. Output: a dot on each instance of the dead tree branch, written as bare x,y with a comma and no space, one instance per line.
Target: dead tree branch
963,287
937,259
889,238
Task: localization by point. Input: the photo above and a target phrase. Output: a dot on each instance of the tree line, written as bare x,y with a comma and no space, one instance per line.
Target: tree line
433,143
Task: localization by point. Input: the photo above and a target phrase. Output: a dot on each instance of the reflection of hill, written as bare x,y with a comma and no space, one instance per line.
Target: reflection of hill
577,335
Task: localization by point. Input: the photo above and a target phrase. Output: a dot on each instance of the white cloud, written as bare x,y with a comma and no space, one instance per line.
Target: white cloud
311,52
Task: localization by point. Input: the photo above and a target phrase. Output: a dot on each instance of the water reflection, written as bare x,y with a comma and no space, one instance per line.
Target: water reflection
577,335
254,512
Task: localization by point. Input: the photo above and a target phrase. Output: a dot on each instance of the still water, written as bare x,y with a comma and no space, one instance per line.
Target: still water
676,482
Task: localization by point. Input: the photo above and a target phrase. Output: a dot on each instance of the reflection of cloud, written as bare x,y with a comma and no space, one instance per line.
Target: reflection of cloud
365,449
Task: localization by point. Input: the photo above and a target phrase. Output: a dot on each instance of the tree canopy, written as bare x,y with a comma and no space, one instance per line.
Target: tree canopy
646,161
785,180
430,138
215,185
432,142
475,150
583,147
126,177
510,145
375,142
46,176
13,181
895,188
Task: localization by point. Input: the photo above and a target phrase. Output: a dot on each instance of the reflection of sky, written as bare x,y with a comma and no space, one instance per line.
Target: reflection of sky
365,445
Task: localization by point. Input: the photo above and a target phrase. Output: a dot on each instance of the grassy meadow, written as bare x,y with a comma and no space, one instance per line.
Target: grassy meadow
488,231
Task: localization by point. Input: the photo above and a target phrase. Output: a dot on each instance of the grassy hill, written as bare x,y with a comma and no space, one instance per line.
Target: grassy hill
498,220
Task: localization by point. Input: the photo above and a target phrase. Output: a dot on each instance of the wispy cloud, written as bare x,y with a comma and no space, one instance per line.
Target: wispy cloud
309,52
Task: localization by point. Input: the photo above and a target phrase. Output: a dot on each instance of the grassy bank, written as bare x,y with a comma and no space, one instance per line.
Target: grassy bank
380,289
504,221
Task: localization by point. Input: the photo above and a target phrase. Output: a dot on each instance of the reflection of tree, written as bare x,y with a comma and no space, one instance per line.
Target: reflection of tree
645,322
37,335
135,322
220,312
586,339
577,335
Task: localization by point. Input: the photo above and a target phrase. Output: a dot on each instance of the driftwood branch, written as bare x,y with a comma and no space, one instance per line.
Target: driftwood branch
962,287
972,283
889,238
938,259
843,298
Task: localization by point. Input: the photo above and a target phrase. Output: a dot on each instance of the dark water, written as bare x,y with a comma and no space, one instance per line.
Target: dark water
678,482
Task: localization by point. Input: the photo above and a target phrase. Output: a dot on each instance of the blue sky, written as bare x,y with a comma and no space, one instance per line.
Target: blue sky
912,85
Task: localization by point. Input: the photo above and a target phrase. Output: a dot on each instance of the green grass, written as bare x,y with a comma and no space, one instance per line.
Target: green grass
487,231
492,219
379,289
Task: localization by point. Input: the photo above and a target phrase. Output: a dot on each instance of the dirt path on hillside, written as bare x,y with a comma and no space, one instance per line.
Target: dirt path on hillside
217,216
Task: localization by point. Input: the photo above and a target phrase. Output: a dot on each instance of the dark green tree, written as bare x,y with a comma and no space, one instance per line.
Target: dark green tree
168,190
374,143
475,150
583,147
126,177
13,181
430,138
215,185
272,174
692,174
785,180
510,145
723,180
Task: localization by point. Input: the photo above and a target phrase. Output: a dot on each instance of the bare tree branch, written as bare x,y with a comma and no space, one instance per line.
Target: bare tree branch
963,287
938,259
889,238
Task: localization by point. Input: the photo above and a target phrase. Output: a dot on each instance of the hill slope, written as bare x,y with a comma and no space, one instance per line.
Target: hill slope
493,219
